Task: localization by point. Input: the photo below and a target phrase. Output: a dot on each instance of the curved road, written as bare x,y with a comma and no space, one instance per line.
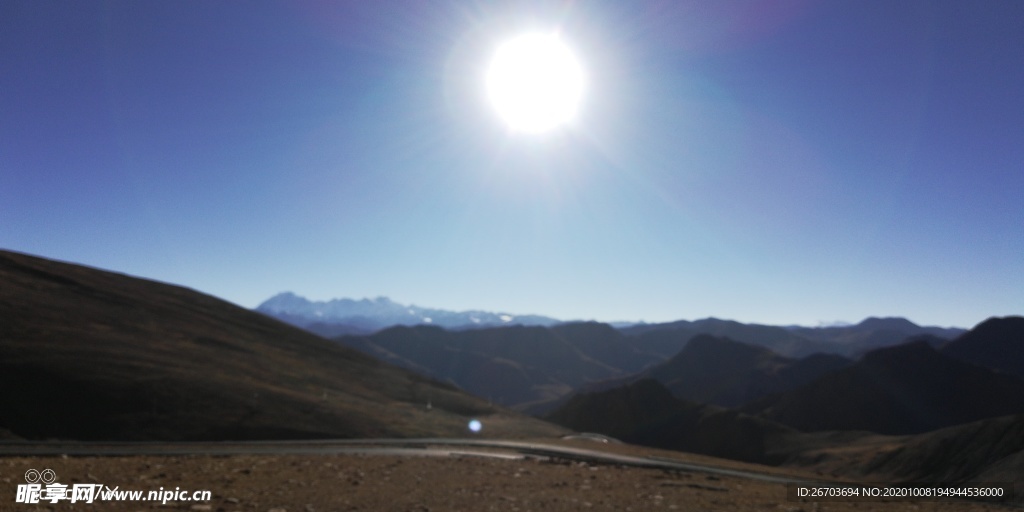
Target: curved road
413,447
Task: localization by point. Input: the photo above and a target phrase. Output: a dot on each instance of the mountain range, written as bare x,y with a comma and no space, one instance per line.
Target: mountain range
541,365
338,317
909,388
851,416
791,375
850,341
348,316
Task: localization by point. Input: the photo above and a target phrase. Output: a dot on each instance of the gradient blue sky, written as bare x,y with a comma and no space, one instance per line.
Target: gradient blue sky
765,161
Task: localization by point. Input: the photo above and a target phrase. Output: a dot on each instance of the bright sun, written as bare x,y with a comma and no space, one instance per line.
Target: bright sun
535,83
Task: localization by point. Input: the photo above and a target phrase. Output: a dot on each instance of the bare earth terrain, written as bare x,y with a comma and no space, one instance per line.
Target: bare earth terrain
342,482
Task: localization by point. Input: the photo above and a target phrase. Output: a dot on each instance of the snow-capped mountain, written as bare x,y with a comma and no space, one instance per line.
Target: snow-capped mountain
374,314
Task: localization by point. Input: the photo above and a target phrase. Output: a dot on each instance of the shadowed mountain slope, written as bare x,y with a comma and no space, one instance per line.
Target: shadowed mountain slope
720,371
906,389
510,365
996,343
94,355
729,373
668,339
646,413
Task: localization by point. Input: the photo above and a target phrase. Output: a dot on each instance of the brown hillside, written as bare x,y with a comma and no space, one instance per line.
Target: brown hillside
89,354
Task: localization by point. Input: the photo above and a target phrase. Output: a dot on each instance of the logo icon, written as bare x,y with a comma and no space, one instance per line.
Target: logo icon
46,476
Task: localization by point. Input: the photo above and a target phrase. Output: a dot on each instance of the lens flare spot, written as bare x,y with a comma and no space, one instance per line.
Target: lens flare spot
475,425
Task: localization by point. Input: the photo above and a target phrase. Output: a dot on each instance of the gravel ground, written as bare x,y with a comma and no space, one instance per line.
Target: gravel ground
332,482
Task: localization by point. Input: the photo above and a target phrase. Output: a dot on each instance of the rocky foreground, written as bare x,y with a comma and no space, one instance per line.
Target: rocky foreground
332,482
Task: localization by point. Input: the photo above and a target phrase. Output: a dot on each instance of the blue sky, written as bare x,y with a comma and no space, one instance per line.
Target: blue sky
765,161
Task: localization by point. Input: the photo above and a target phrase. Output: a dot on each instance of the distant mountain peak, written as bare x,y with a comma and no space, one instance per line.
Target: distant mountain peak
368,314
892,323
834,323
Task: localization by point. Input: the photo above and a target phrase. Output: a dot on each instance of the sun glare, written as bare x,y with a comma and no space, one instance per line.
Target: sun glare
535,83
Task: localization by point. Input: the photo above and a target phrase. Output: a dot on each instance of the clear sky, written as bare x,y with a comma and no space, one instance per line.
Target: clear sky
777,161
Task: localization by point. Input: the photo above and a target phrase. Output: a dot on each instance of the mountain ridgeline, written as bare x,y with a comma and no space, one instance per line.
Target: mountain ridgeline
795,342
883,375
347,316
360,317
539,367
535,363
